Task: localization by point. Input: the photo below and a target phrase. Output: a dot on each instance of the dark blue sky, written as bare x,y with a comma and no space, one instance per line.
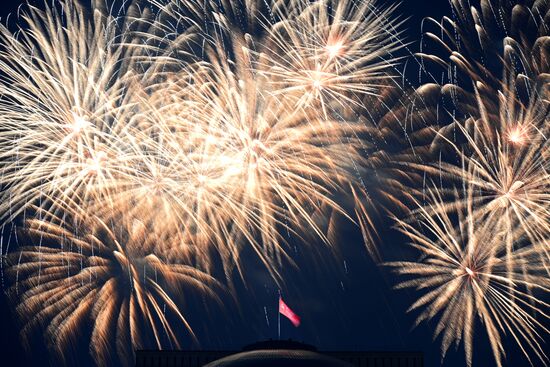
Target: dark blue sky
345,304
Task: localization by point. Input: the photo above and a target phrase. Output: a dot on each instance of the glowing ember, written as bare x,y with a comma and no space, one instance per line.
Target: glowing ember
517,135
334,50
79,124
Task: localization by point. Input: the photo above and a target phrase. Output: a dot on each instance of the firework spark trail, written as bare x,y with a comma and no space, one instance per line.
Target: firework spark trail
466,276
88,272
501,132
470,46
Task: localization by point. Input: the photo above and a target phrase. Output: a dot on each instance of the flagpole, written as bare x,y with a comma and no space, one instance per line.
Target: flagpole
279,319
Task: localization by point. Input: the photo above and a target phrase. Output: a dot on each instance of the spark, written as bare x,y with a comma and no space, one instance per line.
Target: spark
334,50
79,124
518,135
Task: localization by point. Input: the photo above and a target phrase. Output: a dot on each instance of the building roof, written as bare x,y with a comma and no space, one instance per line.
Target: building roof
277,358
287,353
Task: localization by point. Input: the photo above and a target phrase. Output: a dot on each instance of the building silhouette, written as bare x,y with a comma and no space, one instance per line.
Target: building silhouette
277,353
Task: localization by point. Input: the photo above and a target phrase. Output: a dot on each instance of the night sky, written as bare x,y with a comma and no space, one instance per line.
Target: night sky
345,303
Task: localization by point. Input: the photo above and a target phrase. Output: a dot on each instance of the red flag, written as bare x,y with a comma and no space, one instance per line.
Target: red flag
285,310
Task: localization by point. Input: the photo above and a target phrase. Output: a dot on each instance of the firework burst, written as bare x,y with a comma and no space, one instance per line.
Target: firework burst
223,148
154,148
485,247
501,130
326,54
255,164
504,159
269,151
174,152
84,271
65,108
467,276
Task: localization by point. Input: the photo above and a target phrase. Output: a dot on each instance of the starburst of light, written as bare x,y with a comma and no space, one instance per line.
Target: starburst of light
466,277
